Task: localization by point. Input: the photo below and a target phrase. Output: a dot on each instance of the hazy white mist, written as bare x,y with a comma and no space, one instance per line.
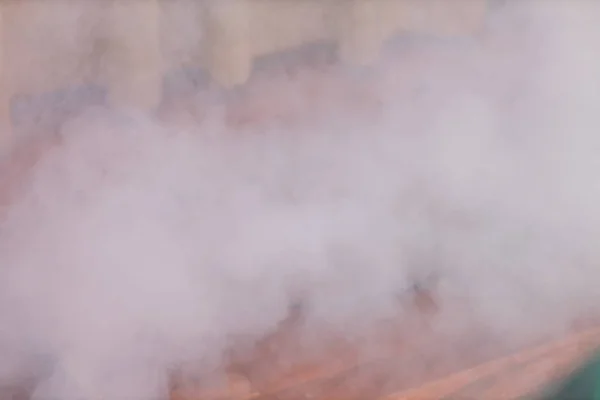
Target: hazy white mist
133,247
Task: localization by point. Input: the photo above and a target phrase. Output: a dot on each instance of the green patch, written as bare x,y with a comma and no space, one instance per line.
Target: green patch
583,384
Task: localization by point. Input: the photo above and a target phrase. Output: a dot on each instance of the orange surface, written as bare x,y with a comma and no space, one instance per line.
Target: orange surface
511,377
504,378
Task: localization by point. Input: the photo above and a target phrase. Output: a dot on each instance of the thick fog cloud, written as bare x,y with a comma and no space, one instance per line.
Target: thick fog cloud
133,247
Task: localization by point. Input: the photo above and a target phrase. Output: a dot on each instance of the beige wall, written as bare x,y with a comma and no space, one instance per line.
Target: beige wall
128,45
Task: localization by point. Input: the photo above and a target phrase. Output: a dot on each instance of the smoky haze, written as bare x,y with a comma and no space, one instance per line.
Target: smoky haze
134,246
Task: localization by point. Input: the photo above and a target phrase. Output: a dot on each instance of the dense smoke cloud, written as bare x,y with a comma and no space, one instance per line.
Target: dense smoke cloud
133,247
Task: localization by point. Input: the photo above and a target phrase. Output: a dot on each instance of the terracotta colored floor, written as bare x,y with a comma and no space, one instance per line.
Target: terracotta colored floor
511,377
339,371
344,377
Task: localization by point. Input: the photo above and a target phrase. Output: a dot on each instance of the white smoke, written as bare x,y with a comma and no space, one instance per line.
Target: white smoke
132,248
